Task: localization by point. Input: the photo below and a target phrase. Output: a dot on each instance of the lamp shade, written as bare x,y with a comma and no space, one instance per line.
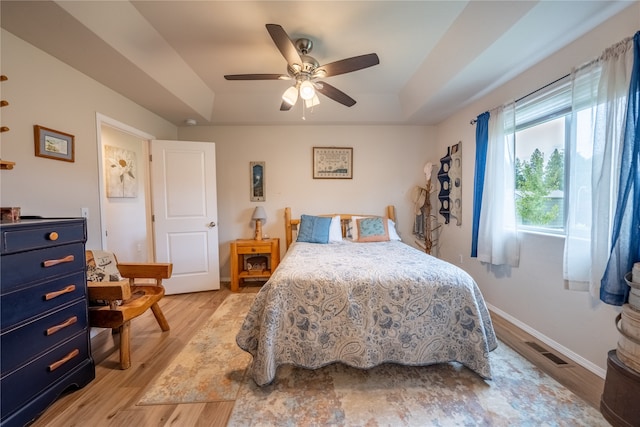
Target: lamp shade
290,96
259,213
307,91
312,102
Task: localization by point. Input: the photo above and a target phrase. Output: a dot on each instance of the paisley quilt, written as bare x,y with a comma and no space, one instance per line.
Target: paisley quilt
364,304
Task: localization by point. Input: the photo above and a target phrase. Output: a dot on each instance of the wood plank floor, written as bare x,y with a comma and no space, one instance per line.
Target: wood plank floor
110,399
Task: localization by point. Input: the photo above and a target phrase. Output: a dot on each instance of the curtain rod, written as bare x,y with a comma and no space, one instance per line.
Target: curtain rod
587,64
473,121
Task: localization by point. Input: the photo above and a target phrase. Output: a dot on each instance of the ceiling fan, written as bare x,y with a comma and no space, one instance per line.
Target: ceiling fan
306,71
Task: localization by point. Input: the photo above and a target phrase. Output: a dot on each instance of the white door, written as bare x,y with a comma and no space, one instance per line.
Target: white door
183,181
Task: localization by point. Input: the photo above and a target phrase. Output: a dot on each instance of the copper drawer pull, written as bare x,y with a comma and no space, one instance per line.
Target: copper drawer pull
56,365
53,236
52,262
70,321
55,294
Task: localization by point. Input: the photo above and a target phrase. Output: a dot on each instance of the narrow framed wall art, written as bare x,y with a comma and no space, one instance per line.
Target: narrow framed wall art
257,181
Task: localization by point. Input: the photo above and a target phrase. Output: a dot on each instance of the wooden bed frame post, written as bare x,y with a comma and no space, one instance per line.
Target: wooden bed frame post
287,224
391,213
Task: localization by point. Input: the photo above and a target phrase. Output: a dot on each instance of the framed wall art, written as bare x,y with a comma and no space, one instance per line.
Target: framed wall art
121,169
332,163
258,189
53,144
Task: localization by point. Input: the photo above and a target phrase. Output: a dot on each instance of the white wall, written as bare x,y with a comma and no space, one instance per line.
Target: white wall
534,293
44,91
127,230
387,163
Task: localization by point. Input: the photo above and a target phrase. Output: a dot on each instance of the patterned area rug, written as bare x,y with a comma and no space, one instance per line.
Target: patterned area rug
212,368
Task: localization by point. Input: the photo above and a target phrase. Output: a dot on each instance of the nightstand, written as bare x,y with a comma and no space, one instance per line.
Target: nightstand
243,247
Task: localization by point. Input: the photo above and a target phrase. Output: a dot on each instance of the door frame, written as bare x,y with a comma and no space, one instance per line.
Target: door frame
101,120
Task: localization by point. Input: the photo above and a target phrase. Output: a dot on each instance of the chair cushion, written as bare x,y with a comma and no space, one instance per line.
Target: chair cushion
102,267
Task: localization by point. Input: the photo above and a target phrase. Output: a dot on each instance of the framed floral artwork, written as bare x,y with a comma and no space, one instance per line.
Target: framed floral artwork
121,171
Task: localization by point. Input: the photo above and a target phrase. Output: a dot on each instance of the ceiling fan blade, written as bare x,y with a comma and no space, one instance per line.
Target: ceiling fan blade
348,65
256,77
284,44
335,94
285,106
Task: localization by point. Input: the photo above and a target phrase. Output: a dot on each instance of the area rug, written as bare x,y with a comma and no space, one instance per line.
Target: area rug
390,395
211,366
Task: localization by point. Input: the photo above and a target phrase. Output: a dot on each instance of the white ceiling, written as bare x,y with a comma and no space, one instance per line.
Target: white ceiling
435,56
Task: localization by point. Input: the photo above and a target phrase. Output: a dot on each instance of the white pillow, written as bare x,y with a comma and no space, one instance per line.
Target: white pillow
335,230
352,232
393,233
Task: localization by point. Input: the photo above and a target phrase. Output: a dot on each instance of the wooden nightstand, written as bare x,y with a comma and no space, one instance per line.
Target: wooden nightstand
242,247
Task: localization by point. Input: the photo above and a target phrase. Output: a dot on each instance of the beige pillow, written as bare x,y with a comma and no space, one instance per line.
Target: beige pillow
373,229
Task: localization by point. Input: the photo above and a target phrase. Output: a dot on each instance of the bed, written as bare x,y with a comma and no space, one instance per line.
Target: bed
364,303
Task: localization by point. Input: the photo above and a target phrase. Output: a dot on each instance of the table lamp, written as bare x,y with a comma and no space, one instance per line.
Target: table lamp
259,215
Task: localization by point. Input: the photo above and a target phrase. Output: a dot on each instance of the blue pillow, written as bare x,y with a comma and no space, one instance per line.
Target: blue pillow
314,229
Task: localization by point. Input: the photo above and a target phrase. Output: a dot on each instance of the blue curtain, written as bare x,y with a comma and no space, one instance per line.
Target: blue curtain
625,240
482,142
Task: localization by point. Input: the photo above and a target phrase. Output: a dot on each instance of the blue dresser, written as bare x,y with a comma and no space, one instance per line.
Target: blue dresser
44,330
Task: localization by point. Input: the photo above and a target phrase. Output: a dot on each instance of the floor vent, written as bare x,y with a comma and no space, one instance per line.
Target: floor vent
560,362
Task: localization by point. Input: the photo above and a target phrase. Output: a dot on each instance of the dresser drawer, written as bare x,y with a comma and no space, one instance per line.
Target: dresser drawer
26,303
34,338
22,269
26,237
254,249
20,386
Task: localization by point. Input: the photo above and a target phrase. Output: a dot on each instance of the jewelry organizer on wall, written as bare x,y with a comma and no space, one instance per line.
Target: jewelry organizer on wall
450,178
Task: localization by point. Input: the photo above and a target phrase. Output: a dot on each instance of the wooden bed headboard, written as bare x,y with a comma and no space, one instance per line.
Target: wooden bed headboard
291,224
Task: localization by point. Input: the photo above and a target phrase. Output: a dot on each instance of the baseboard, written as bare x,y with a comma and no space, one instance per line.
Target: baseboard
574,357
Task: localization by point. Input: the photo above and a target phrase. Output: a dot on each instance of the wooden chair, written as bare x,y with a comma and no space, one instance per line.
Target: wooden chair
123,300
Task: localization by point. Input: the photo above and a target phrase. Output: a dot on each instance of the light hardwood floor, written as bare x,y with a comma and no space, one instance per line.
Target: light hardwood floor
110,399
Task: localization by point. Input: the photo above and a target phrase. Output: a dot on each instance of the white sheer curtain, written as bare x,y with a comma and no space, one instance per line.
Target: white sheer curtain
599,101
497,232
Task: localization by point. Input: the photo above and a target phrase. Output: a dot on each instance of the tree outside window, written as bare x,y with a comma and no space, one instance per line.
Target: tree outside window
539,175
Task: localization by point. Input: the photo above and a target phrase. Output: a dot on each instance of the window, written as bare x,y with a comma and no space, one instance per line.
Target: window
542,135
540,176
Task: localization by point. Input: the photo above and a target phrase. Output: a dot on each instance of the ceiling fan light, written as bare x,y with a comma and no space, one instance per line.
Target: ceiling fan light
307,91
312,102
290,96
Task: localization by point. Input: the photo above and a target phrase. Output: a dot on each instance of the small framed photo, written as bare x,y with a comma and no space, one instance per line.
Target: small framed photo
53,144
258,189
332,163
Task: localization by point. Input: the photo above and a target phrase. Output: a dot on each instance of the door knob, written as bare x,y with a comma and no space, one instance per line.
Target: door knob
211,224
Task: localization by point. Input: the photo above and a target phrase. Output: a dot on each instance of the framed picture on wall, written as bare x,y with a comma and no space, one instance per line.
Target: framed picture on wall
120,169
53,144
256,179
332,162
